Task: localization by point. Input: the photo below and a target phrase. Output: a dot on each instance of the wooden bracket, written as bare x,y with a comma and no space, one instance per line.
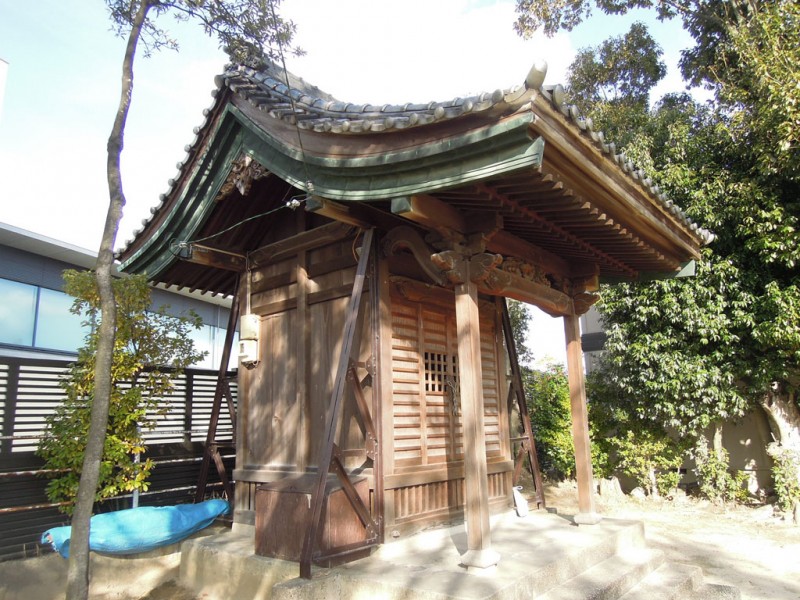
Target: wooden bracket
210,451
405,238
219,259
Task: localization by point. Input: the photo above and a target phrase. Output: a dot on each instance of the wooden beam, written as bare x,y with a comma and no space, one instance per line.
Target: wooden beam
358,214
508,244
307,240
587,514
219,259
509,285
430,212
479,552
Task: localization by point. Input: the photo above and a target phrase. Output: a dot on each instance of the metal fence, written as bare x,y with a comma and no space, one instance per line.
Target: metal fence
30,391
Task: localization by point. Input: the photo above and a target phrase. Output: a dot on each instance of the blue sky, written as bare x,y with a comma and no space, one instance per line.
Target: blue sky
62,89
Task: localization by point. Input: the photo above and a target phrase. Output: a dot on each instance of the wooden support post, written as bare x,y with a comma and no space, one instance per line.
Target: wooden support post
580,423
210,450
327,448
518,389
479,552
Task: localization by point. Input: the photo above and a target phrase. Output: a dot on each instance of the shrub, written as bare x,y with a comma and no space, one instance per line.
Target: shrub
785,469
716,482
651,458
150,348
547,392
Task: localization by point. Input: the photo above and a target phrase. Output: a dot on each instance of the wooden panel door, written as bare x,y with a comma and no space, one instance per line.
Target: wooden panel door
427,428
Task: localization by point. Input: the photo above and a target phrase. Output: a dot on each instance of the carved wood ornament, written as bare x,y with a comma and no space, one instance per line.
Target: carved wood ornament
244,171
496,275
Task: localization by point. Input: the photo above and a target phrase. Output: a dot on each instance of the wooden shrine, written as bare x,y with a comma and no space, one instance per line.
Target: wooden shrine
370,250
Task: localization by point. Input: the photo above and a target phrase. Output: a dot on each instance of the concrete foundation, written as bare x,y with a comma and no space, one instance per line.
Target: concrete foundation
542,555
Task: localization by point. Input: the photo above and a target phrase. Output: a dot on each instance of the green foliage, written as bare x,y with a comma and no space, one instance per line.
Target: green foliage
717,483
622,69
767,70
568,14
519,315
785,470
547,392
692,353
150,348
651,459
611,84
249,31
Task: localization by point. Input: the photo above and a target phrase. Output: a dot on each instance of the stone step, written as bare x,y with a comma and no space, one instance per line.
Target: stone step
609,579
715,591
670,580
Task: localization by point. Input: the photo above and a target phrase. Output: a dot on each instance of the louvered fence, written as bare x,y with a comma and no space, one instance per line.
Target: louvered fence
30,391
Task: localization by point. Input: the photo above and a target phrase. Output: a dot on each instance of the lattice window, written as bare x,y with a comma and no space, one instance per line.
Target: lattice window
440,369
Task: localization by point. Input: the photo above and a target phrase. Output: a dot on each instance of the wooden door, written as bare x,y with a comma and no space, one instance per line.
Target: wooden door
426,475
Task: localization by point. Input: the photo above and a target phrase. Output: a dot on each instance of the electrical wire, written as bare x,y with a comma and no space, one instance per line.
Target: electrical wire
175,245
309,184
292,203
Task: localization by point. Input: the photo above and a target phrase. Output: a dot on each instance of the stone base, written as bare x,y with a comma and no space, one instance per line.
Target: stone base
591,518
483,559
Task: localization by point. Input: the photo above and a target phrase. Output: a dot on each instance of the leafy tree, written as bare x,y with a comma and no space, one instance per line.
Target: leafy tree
547,392
150,349
519,315
611,83
697,352
250,31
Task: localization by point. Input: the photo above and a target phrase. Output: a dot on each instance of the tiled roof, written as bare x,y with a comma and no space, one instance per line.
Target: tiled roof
310,109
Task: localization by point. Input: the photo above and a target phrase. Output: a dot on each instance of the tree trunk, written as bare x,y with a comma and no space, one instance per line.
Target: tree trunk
783,415
717,441
78,571
653,483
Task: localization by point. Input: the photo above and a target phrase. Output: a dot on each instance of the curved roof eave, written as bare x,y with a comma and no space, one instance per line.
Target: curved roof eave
492,150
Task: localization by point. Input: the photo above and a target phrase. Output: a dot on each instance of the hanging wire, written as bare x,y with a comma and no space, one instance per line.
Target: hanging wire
309,184
175,246
293,203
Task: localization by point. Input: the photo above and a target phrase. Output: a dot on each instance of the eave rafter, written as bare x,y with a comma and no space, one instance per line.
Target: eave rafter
572,151
508,203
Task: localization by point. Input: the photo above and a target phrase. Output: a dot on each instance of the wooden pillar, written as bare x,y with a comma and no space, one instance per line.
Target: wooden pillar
476,485
580,423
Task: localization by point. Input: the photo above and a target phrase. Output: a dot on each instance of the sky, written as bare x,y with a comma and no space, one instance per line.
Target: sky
62,80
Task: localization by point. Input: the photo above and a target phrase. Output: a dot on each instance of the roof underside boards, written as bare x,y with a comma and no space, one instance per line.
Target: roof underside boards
512,154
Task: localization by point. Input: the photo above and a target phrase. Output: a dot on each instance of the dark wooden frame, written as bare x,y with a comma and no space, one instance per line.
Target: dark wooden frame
331,459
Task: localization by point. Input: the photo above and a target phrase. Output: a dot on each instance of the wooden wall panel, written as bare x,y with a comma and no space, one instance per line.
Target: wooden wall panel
406,372
427,424
302,302
427,431
427,503
274,414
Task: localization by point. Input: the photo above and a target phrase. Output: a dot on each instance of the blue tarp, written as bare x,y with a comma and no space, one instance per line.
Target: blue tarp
140,529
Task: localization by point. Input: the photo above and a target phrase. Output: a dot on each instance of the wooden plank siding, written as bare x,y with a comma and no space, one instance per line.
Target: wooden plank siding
425,483
301,302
